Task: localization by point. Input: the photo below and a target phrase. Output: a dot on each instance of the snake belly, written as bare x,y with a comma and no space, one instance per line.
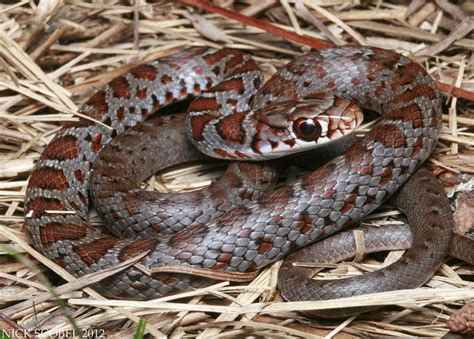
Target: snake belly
249,236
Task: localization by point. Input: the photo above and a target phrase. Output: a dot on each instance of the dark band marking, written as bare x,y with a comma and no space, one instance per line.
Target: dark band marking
142,93
99,103
120,88
53,232
230,128
95,250
61,148
145,71
96,146
166,79
248,66
236,59
79,175
230,85
198,123
224,154
214,58
415,92
40,205
49,178
289,142
203,104
136,248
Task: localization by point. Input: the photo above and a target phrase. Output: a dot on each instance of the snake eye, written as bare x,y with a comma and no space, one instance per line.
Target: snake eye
307,129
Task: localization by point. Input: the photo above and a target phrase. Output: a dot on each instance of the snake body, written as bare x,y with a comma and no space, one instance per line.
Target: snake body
224,228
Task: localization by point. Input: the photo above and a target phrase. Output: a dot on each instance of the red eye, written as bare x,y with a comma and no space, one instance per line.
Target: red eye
307,129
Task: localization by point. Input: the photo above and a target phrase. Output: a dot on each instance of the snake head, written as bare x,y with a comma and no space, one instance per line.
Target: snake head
276,130
302,124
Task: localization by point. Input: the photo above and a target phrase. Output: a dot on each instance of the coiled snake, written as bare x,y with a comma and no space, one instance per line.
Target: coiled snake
236,225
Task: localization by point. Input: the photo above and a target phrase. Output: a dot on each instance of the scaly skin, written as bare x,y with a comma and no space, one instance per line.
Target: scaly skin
427,208
249,236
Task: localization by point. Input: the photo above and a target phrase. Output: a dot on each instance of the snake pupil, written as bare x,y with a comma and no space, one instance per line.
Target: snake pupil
307,129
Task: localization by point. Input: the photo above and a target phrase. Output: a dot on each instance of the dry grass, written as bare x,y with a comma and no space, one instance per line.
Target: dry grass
55,54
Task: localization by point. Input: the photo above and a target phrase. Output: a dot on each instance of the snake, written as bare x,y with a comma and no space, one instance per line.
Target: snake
242,222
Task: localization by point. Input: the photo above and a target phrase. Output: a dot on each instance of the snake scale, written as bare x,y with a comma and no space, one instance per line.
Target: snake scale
240,223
